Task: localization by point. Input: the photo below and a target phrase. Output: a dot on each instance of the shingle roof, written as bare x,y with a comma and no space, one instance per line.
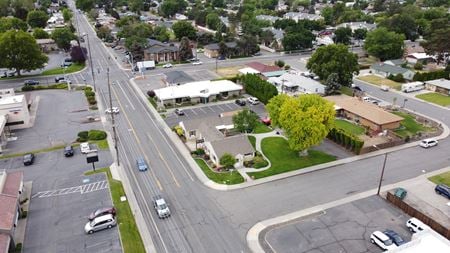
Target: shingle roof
13,183
262,68
387,68
233,145
215,46
8,210
155,46
178,77
442,83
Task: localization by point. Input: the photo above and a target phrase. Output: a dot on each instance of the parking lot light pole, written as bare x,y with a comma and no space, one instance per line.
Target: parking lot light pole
382,170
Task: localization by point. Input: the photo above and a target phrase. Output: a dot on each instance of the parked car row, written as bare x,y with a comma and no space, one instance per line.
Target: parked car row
102,218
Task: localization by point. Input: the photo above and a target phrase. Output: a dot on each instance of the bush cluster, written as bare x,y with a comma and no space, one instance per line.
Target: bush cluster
42,87
91,135
90,95
345,139
426,76
397,78
259,88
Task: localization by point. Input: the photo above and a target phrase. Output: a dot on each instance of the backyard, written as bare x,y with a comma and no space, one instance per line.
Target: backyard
220,177
284,159
435,98
377,80
443,178
349,127
409,126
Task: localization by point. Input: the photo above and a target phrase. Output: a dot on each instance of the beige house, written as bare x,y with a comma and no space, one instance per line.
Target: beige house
439,85
366,114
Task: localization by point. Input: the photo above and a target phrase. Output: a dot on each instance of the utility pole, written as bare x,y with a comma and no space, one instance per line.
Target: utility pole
112,119
90,61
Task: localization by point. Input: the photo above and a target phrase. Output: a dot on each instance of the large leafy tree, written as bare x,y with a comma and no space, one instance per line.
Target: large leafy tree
78,54
39,33
213,21
185,49
227,160
136,5
332,85
171,7
384,44
274,107
438,43
334,59
62,37
37,18
245,121
85,5
298,40
11,23
184,29
160,33
67,15
360,34
402,23
343,35
18,50
136,45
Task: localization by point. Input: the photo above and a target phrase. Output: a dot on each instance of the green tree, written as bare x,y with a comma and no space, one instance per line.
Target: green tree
245,121
184,29
360,34
306,119
161,33
332,85
104,33
185,49
170,7
11,23
4,8
62,37
136,5
403,24
67,15
334,59
223,49
218,3
37,18
343,35
213,21
328,16
274,107
384,44
85,5
302,39
136,46
227,160
438,43
39,33
19,51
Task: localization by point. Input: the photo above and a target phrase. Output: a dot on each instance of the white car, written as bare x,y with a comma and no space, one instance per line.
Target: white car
197,63
253,100
168,65
428,143
100,223
382,240
85,148
415,225
114,110
161,207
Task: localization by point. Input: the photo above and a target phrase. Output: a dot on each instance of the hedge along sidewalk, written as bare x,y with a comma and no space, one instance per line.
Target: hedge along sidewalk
130,238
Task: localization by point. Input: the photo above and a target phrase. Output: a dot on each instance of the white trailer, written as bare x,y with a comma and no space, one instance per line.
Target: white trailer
145,65
414,86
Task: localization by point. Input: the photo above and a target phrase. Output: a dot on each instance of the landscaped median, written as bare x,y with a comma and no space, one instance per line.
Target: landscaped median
75,67
131,239
435,98
283,159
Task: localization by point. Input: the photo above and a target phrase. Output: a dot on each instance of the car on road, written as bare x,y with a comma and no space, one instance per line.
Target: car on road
430,142
102,211
443,190
179,112
168,65
253,100
221,58
197,63
68,151
240,102
161,207
84,147
28,159
111,110
396,238
384,88
382,240
257,54
415,225
141,164
100,223
62,79
30,82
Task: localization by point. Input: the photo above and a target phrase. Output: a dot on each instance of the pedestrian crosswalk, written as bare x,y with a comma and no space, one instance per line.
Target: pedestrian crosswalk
82,189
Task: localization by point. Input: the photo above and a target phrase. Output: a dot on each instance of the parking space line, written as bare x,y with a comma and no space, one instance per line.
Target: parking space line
201,109
86,188
228,105
221,108
193,111
210,108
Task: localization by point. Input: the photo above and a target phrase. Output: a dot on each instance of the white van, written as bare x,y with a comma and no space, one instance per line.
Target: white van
253,100
415,225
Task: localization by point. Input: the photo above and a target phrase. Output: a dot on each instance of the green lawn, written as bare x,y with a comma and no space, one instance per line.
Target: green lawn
261,128
435,98
284,159
409,126
349,127
347,91
220,178
252,140
377,80
59,71
131,239
102,144
443,178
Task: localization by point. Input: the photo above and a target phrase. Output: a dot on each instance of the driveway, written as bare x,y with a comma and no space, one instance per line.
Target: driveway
345,228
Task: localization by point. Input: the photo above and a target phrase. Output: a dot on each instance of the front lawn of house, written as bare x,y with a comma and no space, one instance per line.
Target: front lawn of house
283,159
443,178
220,177
435,98
377,80
349,127
261,128
409,126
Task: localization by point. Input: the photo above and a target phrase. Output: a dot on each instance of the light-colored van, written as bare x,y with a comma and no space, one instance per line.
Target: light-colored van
100,223
415,225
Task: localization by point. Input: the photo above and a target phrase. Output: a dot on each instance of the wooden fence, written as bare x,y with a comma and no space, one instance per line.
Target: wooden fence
419,215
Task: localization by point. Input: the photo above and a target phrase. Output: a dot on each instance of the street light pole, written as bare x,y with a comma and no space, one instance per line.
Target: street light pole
382,170
112,120
90,61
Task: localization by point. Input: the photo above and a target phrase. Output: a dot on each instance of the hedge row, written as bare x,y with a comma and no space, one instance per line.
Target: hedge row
426,76
258,88
91,135
90,95
347,140
41,87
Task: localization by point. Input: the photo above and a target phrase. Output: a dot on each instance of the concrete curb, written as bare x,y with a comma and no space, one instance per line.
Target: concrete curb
254,232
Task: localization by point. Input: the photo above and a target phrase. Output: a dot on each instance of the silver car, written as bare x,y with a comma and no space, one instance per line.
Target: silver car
100,223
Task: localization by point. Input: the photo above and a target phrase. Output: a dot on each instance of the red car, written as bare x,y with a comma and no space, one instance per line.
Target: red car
102,211
266,121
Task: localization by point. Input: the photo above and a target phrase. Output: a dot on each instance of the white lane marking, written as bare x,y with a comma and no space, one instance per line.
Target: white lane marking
86,188
126,96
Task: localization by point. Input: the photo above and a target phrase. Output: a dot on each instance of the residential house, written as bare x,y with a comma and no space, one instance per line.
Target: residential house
297,84
271,19
411,49
11,189
47,45
366,114
278,36
177,77
396,62
212,50
302,16
179,16
198,92
161,52
422,58
386,70
238,146
358,25
439,85
263,69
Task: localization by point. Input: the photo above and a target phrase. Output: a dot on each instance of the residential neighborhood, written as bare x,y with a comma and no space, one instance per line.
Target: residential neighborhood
224,126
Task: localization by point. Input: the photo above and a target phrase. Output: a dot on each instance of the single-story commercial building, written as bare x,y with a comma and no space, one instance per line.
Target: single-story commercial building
439,85
16,109
177,77
386,70
366,114
265,70
212,50
291,83
198,92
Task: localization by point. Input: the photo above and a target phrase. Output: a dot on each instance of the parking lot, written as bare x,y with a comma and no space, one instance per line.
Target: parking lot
345,228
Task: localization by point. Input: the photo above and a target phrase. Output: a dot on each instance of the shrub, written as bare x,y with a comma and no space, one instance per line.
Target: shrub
397,78
178,130
91,100
259,162
83,136
259,88
151,93
227,160
89,93
418,66
27,88
199,152
279,63
96,135
87,88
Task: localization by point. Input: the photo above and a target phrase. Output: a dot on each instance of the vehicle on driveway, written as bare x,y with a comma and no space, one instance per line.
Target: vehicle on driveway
253,100
428,143
382,240
179,112
266,121
84,147
240,102
68,151
141,164
168,65
415,225
28,159
100,223
396,238
30,82
114,110
102,211
161,207
443,190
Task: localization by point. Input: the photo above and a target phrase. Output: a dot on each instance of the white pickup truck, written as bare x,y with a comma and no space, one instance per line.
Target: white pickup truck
161,207
85,148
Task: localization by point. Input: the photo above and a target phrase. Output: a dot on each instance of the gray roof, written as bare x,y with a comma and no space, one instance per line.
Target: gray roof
178,77
441,83
215,46
207,126
396,62
267,17
386,68
278,34
234,145
358,25
302,15
155,46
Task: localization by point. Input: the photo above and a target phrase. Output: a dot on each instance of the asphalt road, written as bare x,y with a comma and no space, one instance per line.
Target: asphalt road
204,220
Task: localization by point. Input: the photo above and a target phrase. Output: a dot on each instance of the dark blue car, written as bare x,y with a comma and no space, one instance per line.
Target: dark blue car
443,190
394,237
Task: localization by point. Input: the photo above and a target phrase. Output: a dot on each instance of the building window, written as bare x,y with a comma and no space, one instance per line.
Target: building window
192,133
